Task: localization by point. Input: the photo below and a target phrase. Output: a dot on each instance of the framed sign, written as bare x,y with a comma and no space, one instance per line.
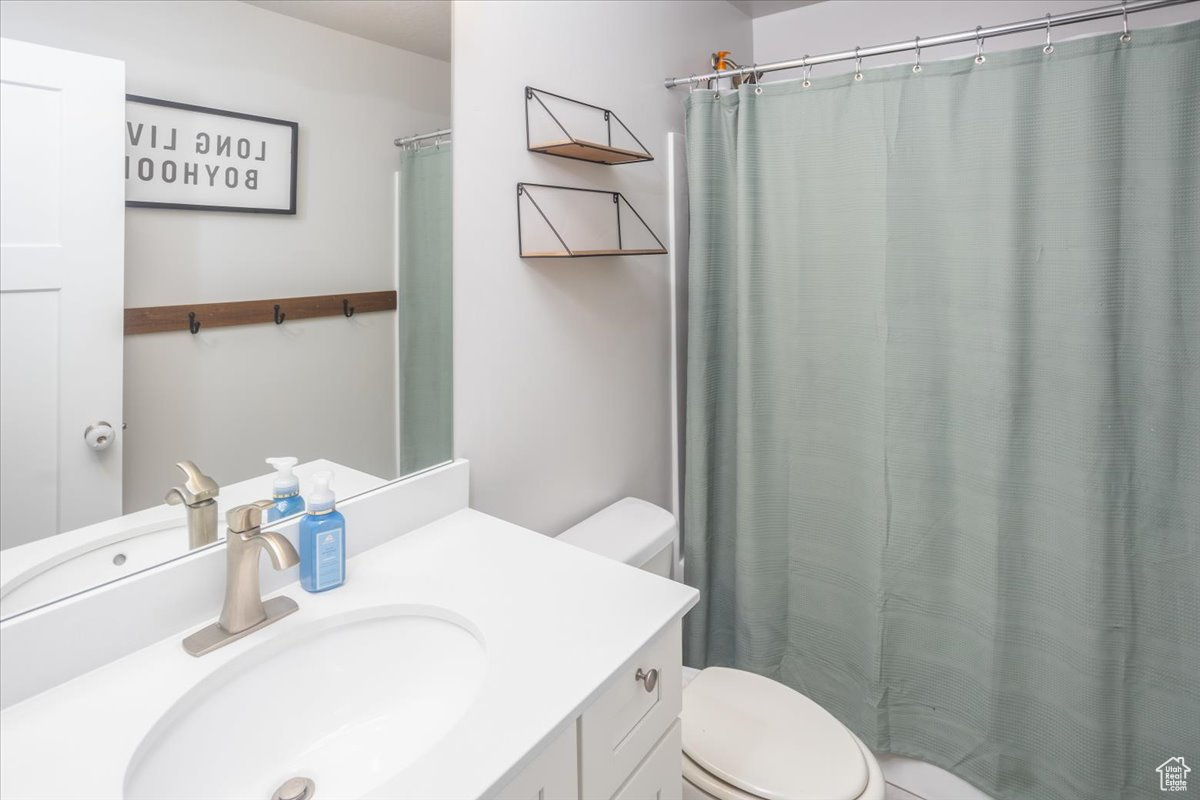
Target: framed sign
191,157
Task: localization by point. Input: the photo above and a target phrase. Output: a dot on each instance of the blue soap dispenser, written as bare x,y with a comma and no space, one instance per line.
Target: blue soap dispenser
285,492
322,539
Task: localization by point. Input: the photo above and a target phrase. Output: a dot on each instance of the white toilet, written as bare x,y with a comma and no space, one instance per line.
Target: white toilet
745,737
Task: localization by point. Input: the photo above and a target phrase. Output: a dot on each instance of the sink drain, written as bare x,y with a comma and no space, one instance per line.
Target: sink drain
295,789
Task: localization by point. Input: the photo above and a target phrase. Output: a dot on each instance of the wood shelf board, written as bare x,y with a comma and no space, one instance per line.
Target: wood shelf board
646,251
158,319
591,151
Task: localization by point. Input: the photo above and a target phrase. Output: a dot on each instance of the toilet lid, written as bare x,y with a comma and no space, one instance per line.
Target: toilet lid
768,740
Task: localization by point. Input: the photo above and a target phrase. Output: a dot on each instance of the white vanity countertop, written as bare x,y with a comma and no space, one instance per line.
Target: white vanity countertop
556,622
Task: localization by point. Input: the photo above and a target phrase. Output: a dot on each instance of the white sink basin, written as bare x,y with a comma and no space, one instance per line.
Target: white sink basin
348,702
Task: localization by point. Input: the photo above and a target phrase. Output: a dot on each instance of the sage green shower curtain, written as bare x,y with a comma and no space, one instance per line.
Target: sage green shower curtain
943,410
423,307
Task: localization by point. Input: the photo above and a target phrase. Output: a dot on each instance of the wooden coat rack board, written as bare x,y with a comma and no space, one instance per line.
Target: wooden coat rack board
196,317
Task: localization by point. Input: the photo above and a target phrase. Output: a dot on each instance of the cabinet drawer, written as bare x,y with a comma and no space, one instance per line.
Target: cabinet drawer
627,719
553,775
660,777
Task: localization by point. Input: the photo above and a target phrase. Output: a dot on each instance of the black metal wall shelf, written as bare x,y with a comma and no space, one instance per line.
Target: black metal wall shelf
579,149
618,200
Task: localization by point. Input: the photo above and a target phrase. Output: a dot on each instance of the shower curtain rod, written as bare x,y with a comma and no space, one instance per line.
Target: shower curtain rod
420,137
1042,23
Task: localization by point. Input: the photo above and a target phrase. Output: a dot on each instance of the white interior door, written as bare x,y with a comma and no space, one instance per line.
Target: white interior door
62,240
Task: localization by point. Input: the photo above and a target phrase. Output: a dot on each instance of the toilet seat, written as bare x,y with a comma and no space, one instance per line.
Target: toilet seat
713,787
746,737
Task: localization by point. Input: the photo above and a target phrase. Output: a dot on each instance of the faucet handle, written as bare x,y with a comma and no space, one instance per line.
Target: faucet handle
243,519
197,488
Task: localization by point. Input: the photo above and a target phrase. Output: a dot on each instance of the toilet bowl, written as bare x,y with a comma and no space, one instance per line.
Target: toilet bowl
745,737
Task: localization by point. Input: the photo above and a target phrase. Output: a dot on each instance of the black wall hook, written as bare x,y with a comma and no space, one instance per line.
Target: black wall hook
279,317
347,309
193,325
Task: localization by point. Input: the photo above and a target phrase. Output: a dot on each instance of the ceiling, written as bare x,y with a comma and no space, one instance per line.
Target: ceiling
423,26
419,26
761,8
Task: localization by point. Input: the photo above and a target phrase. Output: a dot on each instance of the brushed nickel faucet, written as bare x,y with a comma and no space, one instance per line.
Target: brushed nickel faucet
198,492
244,610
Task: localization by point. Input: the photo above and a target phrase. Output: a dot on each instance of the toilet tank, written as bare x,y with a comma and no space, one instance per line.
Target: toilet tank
631,531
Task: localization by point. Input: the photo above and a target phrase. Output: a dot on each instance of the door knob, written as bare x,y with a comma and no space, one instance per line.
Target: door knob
99,435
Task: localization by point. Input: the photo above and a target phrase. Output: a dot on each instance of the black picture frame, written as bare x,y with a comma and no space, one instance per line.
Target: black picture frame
295,130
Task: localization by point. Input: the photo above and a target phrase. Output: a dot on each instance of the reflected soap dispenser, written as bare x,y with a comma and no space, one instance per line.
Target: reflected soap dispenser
285,492
322,539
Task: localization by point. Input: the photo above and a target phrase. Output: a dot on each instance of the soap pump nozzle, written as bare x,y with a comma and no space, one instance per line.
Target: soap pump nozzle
321,500
286,483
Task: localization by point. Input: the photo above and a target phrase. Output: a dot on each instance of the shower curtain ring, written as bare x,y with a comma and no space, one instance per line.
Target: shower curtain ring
917,45
1126,36
692,83
1049,48
979,57
857,65
757,76
807,72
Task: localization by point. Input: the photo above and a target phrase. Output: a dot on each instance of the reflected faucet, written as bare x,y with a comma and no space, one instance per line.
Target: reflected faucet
198,493
244,610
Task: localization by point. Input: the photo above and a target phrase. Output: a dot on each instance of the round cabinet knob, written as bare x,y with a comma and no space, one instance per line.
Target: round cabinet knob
99,435
647,679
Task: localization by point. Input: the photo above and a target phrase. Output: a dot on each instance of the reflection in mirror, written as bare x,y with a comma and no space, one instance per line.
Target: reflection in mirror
424,342
245,268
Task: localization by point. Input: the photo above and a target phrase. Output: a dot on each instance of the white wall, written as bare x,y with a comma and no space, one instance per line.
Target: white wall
561,367
317,388
829,27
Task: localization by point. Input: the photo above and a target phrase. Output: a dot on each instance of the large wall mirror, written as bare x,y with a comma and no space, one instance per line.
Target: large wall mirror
227,240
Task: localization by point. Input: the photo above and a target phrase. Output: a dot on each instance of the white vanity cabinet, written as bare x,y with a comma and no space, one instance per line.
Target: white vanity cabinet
626,742
554,774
